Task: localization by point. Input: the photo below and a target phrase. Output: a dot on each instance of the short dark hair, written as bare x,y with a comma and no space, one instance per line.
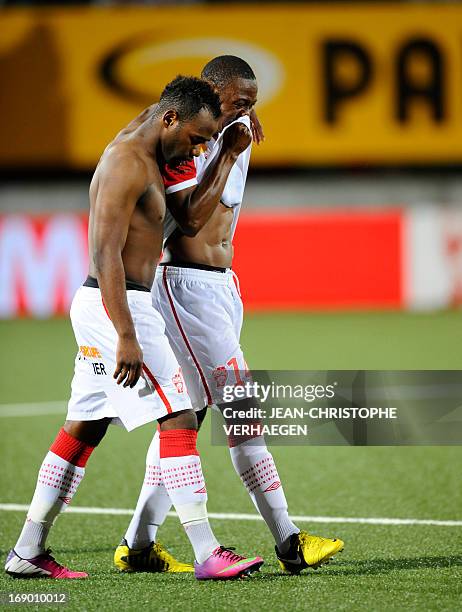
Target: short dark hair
188,96
224,68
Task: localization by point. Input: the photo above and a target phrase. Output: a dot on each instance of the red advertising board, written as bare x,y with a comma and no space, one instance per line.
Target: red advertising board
320,259
334,259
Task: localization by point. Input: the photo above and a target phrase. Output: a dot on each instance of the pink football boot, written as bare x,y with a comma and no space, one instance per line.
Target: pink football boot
224,564
41,566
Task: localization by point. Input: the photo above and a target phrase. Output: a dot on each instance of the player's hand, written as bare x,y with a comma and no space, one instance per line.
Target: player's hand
129,359
236,139
257,130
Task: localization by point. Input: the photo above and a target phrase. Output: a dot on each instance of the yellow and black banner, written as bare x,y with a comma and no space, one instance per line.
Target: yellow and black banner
338,84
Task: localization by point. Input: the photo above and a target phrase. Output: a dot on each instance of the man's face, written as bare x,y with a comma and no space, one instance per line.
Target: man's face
183,140
237,98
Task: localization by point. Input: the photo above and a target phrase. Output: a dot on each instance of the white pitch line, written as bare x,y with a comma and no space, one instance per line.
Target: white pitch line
33,409
227,516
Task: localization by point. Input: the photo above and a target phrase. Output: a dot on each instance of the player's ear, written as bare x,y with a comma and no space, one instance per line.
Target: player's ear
170,117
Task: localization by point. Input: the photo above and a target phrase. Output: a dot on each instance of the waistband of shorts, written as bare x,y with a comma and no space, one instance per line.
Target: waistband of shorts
194,266
222,277
93,294
92,282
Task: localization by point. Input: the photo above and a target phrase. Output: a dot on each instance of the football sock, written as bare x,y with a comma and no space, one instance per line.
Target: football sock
59,476
182,476
255,466
153,503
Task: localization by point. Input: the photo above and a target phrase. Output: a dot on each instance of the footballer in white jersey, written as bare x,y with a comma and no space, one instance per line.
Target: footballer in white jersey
200,300
197,294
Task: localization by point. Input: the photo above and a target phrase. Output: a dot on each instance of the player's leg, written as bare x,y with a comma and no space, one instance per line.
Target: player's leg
139,549
180,466
153,504
182,474
59,476
257,470
87,420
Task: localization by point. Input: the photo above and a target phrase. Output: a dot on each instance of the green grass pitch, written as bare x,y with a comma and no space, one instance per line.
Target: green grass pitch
383,567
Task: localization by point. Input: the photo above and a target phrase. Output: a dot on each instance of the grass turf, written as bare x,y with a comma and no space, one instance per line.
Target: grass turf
382,568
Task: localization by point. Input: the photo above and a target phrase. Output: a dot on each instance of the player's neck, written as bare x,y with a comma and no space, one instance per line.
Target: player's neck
149,133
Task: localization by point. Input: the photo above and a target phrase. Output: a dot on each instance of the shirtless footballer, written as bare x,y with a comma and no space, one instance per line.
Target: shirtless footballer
125,370
196,293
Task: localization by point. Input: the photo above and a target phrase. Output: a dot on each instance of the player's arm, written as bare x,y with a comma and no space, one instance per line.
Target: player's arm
114,206
192,207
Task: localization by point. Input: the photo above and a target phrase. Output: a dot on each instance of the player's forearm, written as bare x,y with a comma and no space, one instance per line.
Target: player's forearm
206,197
111,280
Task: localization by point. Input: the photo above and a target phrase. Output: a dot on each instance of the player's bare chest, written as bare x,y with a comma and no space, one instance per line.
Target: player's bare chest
151,205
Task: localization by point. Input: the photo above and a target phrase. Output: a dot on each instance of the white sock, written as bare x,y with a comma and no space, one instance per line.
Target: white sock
182,475
32,539
185,485
56,485
153,502
202,539
255,466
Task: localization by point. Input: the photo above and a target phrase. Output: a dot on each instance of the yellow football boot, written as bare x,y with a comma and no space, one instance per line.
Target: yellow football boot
153,558
308,551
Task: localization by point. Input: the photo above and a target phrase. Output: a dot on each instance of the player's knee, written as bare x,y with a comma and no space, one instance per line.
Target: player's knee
90,432
244,425
186,419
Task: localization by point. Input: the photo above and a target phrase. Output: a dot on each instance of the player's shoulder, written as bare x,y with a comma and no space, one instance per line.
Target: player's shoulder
121,159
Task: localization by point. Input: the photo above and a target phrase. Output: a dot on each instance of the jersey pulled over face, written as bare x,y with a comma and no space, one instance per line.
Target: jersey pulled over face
213,244
182,140
238,98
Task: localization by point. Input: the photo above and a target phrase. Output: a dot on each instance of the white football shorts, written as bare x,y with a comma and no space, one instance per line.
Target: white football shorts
95,394
203,315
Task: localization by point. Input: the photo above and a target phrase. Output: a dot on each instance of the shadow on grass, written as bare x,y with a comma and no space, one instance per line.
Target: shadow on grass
382,566
361,567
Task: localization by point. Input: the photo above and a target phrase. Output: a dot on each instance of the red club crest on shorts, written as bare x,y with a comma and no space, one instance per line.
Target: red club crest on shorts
178,381
220,375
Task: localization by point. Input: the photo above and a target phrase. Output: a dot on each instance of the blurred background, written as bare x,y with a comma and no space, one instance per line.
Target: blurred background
351,232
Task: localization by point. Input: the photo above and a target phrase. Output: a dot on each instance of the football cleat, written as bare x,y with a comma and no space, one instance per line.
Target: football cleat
153,558
308,551
224,564
41,566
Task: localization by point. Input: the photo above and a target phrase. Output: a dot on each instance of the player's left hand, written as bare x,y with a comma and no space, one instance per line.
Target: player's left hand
257,129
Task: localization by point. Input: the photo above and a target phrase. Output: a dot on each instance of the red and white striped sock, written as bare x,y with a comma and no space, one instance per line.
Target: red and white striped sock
183,479
59,476
153,503
255,466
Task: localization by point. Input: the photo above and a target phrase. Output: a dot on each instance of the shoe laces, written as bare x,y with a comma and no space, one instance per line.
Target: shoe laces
228,554
51,559
311,541
307,539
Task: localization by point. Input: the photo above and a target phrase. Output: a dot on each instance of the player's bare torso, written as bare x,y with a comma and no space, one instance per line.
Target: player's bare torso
143,245
211,246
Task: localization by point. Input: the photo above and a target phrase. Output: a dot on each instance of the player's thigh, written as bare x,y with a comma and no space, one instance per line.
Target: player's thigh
161,369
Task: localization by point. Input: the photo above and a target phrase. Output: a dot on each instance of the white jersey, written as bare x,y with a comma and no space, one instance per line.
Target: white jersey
190,174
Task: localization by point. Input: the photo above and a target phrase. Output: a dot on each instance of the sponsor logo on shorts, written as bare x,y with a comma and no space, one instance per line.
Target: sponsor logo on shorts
203,490
220,375
178,381
89,351
66,500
